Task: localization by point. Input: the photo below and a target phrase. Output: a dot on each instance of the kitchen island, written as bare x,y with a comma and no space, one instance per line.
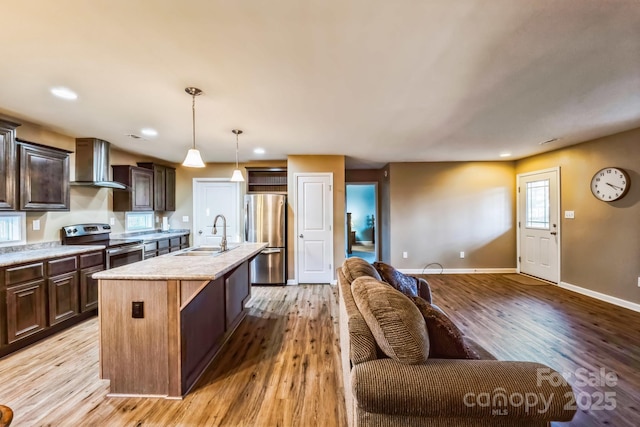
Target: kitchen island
164,319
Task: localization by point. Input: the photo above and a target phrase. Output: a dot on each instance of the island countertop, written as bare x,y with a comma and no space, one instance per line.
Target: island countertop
175,267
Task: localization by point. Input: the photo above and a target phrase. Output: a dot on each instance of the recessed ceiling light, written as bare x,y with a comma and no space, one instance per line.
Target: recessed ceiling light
505,154
258,150
64,93
149,132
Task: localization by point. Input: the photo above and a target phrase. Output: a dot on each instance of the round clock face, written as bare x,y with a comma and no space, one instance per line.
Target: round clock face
610,184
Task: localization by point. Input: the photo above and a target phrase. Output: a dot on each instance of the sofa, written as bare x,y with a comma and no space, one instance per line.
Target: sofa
398,370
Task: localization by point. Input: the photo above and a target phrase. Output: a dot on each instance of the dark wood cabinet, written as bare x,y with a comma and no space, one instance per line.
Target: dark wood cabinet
266,180
26,310
164,186
41,298
237,293
90,263
140,198
63,297
44,177
8,165
25,300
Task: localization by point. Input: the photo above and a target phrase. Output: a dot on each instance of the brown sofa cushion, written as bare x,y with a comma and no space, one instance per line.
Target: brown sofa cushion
406,284
396,323
355,267
445,339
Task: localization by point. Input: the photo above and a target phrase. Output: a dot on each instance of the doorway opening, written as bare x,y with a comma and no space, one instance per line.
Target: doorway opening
361,238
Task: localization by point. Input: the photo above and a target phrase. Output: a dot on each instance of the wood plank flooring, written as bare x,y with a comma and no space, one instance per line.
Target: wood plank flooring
569,332
281,367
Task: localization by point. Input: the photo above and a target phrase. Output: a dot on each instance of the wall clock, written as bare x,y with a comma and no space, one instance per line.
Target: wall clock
610,184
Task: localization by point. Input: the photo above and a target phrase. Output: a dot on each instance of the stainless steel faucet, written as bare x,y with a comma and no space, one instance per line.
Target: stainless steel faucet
223,242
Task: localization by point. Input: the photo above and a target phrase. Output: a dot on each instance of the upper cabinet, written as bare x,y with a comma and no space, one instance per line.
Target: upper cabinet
8,165
44,177
140,198
164,186
266,180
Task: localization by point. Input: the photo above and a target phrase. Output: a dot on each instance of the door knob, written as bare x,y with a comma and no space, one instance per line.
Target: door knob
302,236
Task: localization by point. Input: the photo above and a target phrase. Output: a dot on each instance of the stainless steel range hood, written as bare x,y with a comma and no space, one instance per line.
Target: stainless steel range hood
92,164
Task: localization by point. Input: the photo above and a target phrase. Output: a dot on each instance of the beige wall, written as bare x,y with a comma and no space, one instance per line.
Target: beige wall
184,186
334,165
438,210
600,248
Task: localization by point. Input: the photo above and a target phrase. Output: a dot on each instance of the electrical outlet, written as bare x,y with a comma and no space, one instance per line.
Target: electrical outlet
461,254
137,309
569,214
185,218
112,221
157,219
36,225
639,282
405,255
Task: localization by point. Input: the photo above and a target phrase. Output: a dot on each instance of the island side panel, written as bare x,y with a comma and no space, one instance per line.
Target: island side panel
202,323
134,352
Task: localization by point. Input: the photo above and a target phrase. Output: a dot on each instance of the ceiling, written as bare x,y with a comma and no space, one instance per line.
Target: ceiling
376,81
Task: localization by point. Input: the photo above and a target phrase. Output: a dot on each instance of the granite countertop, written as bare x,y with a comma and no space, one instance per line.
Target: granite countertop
32,255
175,267
151,236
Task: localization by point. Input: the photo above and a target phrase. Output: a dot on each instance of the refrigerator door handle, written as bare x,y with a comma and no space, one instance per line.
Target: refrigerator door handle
270,251
246,222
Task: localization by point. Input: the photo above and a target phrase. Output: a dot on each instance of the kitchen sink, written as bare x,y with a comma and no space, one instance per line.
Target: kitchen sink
206,250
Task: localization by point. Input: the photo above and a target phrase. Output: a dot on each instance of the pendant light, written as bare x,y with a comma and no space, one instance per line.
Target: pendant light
193,159
237,175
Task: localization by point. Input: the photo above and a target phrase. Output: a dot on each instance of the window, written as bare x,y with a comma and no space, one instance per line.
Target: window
139,221
537,214
13,228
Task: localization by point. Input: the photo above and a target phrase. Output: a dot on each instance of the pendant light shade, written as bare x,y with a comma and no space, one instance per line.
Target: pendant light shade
237,175
193,159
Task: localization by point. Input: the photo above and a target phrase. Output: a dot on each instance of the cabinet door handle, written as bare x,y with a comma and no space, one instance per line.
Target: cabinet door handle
199,231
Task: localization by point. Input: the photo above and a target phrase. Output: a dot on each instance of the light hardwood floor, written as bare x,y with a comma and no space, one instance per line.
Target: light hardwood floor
281,367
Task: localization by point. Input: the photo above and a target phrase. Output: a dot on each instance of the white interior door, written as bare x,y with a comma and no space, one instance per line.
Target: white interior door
539,226
314,228
210,198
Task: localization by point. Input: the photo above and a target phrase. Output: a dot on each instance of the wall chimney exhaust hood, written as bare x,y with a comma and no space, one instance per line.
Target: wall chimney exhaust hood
92,164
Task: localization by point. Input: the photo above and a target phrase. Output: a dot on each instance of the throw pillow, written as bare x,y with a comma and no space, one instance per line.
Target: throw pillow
406,284
395,322
355,267
446,341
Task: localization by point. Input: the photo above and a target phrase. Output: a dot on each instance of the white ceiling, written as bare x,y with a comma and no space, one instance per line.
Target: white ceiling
375,80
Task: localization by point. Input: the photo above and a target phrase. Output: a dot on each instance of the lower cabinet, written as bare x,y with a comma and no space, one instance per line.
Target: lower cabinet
237,293
41,298
26,310
89,289
63,297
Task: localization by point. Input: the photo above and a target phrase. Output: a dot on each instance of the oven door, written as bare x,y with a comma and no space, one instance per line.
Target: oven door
123,255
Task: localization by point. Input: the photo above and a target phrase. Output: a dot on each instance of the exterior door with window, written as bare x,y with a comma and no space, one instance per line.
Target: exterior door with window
539,227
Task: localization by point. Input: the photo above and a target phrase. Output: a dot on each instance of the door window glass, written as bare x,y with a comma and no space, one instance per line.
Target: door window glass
537,210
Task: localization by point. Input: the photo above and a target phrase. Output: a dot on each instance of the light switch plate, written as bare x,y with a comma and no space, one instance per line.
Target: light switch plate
405,255
185,218
569,214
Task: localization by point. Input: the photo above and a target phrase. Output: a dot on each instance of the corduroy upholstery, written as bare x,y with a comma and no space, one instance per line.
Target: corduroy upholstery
382,392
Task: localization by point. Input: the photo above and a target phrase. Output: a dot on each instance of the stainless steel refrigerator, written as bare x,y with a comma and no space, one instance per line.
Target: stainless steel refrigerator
265,222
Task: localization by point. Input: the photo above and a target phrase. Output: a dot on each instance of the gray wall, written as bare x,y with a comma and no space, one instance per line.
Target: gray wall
438,210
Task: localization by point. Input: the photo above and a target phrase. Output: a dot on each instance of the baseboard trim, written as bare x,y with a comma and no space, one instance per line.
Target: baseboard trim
602,297
291,282
458,271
